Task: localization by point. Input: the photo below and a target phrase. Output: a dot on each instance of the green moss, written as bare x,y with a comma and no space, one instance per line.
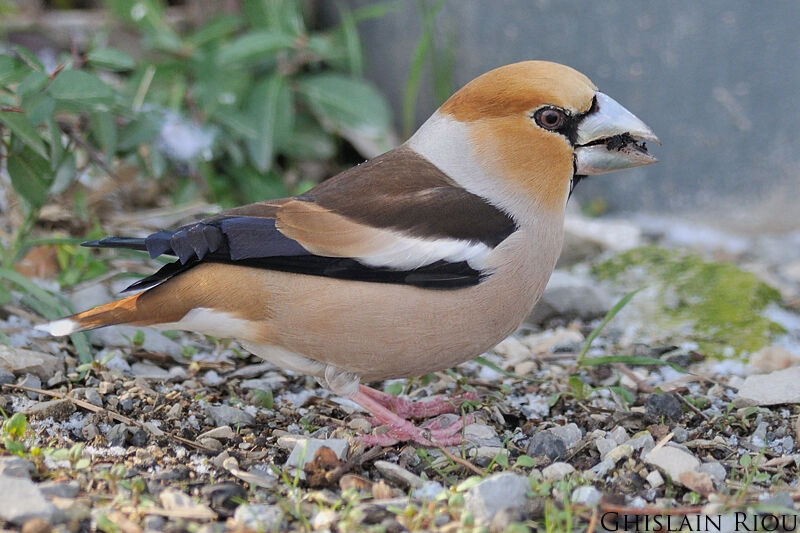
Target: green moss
717,305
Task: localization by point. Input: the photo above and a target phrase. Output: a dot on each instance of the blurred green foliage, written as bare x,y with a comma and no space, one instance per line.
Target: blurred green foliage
234,110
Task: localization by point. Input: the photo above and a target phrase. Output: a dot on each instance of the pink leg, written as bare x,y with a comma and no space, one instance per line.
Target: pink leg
401,429
421,409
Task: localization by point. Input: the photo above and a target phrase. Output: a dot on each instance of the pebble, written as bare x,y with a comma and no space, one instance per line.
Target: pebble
775,388
586,495
56,380
623,451
505,518
259,516
221,432
324,519
15,466
495,493
604,446
643,442
57,489
153,523
680,434
93,397
6,377
89,431
56,409
557,471
482,435
117,435
18,361
174,412
399,475
120,337
771,358
173,499
663,406
224,497
428,491
147,371
212,379
23,501
699,482
305,450
211,444
32,381
251,371
600,470
570,296
545,443
225,415
672,461
618,435
655,479
569,433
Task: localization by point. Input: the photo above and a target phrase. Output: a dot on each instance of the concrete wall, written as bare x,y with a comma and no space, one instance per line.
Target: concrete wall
719,82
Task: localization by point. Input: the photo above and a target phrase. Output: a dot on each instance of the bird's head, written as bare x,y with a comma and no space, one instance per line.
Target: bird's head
529,131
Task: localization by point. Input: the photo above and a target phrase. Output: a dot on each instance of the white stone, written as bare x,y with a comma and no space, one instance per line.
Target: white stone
495,493
655,479
22,500
779,387
672,461
557,471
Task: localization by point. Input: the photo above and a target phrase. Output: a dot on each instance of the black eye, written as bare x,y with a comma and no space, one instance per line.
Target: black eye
550,118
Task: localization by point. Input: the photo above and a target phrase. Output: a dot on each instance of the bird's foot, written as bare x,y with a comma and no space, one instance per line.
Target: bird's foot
401,430
419,409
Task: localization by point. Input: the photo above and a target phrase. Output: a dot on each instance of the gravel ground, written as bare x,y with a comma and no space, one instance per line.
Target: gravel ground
191,433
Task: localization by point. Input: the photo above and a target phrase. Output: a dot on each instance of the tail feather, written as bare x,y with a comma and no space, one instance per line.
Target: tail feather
125,311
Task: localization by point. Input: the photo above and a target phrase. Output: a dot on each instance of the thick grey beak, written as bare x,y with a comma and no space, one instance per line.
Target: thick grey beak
611,138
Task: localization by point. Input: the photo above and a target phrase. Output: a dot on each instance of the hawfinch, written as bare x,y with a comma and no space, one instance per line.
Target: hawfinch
413,262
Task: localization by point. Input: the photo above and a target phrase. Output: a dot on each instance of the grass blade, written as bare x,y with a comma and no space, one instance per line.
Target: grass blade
631,360
606,319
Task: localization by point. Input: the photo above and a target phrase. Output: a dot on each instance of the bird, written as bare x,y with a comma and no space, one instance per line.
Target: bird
413,262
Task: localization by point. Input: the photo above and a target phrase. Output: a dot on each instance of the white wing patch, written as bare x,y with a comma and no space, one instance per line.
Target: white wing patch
402,252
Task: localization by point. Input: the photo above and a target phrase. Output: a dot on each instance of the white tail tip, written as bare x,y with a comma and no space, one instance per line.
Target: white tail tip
59,328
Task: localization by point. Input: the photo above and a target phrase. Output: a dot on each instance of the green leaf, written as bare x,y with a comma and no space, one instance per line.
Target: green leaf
30,177
28,57
21,126
143,130
237,123
15,426
270,106
352,108
33,82
525,461
214,30
104,131
627,396
606,319
309,141
111,59
253,47
39,107
9,69
82,88
468,483
65,175
351,40
346,103
56,148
